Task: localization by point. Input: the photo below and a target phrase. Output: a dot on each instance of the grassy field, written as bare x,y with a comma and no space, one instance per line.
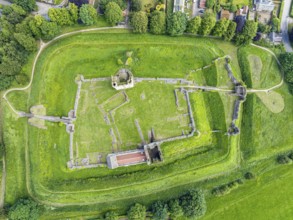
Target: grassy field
262,66
67,58
267,117
37,158
150,104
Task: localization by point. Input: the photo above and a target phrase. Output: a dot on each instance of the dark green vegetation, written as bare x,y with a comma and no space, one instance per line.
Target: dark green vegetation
113,13
25,209
286,60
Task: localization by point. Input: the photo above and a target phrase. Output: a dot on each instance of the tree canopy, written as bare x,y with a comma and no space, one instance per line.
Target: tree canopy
207,24
247,34
193,203
28,5
158,22
139,22
194,25
24,209
137,212
88,14
111,215
230,32
286,60
176,23
113,13
221,27
103,3
159,210
175,209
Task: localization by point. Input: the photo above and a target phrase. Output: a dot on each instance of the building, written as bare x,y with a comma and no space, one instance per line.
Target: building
123,80
126,158
276,38
264,5
202,4
178,5
225,14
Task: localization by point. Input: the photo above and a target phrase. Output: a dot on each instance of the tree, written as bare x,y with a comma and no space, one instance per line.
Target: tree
194,25
137,212
139,22
286,60
275,24
24,209
247,34
49,30
79,3
220,27
103,3
14,14
113,13
73,11
176,23
5,81
207,24
28,5
158,22
210,3
175,209
233,8
159,210
135,5
193,203
230,33
60,15
111,215
26,41
87,14
263,28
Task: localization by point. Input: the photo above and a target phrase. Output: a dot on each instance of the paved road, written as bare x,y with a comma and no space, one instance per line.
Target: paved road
2,2
284,25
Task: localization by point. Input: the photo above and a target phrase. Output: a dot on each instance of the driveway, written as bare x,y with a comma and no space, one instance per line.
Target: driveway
284,25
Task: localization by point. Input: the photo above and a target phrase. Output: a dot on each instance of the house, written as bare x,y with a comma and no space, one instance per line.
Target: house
276,38
202,4
264,5
243,11
178,5
225,14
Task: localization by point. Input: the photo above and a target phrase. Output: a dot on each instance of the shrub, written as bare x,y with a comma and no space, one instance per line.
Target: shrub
159,210
283,159
111,215
193,203
249,176
24,209
139,22
137,212
113,13
175,209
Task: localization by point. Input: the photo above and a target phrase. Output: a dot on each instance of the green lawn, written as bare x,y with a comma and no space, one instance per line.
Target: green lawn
95,55
151,104
37,158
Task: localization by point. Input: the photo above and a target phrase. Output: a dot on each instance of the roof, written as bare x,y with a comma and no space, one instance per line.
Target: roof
225,14
202,3
126,158
275,37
